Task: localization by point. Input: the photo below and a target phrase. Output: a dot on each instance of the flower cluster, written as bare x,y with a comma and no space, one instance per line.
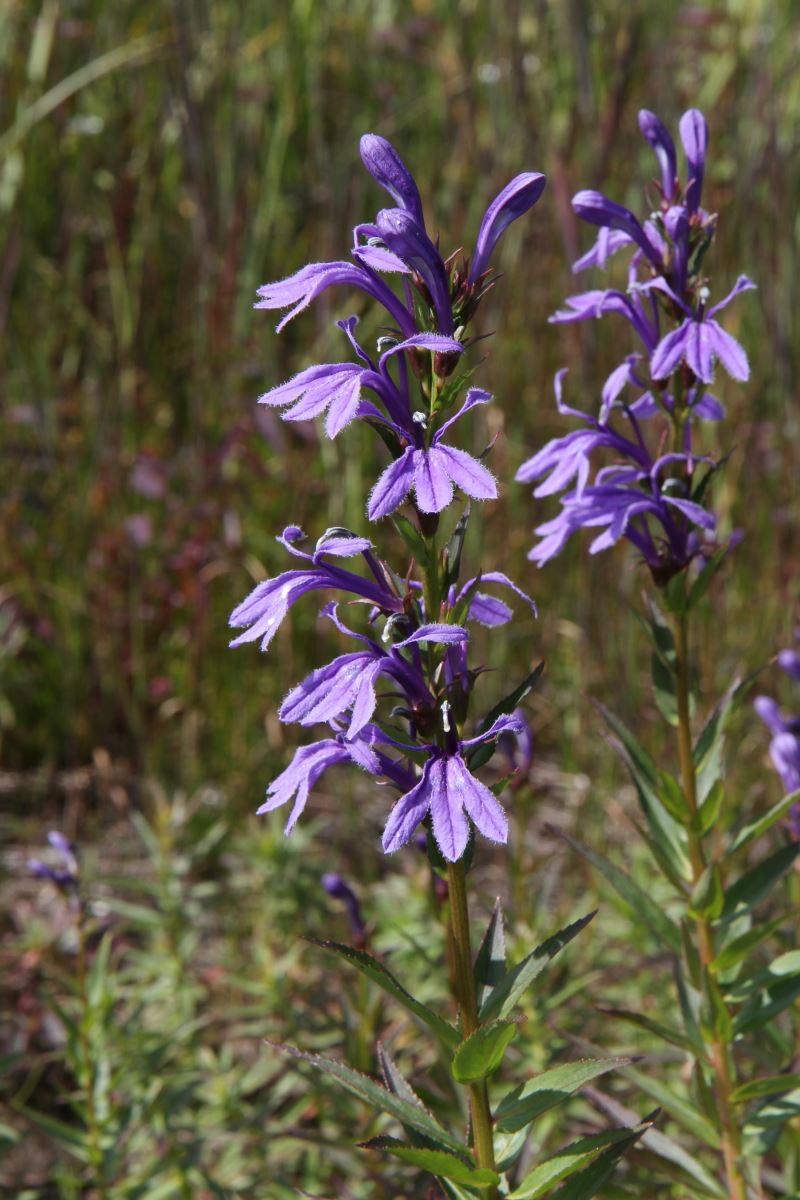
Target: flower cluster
785,729
426,338
416,642
653,490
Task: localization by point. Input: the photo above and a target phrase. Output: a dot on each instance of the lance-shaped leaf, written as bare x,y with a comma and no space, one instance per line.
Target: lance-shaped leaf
378,1097
399,1086
757,1089
752,887
665,1147
529,1100
504,995
666,1033
743,944
592,1178
768,1003
683,1112
640,902
481,754
765,1125
490,964
381,975
754,830
572,1158
440,1163
482,1052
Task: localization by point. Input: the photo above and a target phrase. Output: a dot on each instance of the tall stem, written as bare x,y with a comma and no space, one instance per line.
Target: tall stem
483,1141
720,1054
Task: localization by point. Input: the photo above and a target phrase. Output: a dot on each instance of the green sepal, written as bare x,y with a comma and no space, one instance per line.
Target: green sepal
711,807
752,887
708,897
529,1100
662,926
484,751
411,1114
381,975
566,1162
482,1052
413,540
440,1163
755,829
665,1032
507,991
758,1089
490,963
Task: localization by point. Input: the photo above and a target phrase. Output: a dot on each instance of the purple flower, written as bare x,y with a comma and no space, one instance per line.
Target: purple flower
433,470
349,681
516,198
387,167
659,138
597,209
337,887
66,875
452,796
263,610
625,500
699,340
298,290
785,745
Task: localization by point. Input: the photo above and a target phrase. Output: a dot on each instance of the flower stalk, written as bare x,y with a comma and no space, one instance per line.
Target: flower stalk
721,1059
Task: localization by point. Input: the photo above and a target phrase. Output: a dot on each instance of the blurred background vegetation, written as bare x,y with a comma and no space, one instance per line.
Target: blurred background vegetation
157,163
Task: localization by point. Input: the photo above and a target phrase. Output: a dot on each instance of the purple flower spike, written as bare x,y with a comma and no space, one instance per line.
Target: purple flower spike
694,135
388,169
409,241
597,209
661,141
514,201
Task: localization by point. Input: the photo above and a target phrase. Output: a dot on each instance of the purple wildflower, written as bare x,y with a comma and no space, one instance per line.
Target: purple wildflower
337,887
452,796
66,875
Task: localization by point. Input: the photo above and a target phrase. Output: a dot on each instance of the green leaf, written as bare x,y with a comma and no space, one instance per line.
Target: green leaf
71,1137
764,1126
483,752
377,1096
413,540
717,1014
482,1052
773,1000
670,793
507,991
750,832
438,1162
774,1085
529,1100
659,629
710,808
642,904
751,888
703,580
380,974
592,1178
739,947
707,898
490,964
684,1112
639,761
665,1032
566,1162
393,1079
664,690
453,550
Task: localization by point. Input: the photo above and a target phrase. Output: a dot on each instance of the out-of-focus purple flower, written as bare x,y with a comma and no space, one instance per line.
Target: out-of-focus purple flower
66,875
453,797
337,887
785,729
518,748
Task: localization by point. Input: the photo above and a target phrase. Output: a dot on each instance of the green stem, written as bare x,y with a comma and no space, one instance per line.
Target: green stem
483,1140
724,1076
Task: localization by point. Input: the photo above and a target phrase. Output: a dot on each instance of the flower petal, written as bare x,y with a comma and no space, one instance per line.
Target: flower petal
481,805
393,486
